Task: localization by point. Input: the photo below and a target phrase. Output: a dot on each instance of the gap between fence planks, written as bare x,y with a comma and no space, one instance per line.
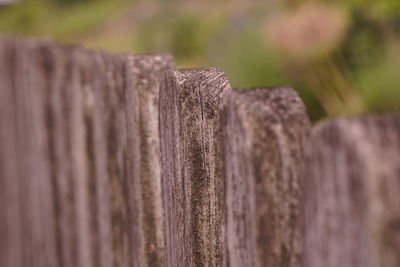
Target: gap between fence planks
264,133
75,184
352,193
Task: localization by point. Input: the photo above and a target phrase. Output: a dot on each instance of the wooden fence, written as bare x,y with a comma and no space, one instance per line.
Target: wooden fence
121,160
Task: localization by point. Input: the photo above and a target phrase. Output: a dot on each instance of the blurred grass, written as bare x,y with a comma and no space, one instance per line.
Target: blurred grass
342,62
79,18
379,84
60,21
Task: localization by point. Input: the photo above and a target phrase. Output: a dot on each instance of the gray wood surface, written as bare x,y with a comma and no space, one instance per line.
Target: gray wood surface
193,183
78,134
352,193
264,134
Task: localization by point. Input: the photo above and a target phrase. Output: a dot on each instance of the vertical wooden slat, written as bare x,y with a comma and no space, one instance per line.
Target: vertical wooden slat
352,203
115,130
78,134
101,184
29,185
264,133
193,186
35,185
56,62
147,71
10,231
133,181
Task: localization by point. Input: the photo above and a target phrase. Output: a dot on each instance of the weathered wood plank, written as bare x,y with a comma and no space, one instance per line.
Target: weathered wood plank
193,184
28,207
11,246
264,134
147,71
100,184
352,193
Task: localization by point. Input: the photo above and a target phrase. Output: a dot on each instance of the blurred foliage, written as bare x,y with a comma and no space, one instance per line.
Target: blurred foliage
342,56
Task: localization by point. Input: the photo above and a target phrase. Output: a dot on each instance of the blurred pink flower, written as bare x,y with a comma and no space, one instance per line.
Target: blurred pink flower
308,31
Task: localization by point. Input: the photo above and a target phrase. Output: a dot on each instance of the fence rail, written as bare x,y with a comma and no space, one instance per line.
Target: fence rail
121,160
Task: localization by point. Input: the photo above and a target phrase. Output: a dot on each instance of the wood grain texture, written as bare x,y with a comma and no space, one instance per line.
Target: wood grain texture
193,185
73,125
352,193
264,134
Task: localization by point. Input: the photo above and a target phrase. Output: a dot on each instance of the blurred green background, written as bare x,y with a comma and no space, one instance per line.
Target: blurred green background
342,56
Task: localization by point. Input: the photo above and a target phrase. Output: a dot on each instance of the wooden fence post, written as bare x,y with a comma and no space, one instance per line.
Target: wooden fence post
74,185
193,184
352,193
264,134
